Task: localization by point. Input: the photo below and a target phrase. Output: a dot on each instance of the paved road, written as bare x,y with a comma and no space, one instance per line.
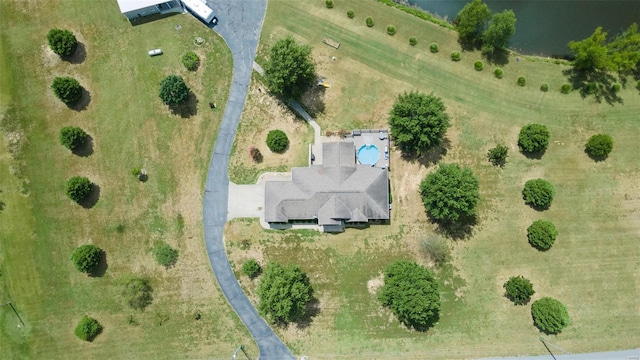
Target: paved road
240,23
609,355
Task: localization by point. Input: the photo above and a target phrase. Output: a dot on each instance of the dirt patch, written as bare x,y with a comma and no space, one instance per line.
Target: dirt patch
375,284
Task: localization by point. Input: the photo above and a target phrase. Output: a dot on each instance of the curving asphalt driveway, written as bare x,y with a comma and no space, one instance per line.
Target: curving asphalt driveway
239,23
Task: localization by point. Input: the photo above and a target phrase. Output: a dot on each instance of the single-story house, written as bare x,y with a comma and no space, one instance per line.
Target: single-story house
337,193
136,9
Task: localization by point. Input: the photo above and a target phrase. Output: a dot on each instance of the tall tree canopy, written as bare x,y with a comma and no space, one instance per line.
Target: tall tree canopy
450,192
418,122
290,70
590,54
284,292
411,292
625,51
173,90
471,20
501,27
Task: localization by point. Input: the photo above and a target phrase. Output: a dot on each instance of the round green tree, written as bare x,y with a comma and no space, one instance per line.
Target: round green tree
411,292
251,268
434,48
67,89
478,65
455,55
88,328
518,289
549,315
73,137
86,258
542,234
599,146
413,40
538,193
329,4
78,188
277,141
62,42
498,155
498,72
164,254
533,138
522,81
290,70
450,192
191,61
284,292
369,21
418,122
173,90
391,30
137,292
351,14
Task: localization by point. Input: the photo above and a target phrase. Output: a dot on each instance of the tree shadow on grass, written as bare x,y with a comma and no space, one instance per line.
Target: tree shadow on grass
462,229
102,267
598,84
534,155
312,309
2,206
430,157
498,57
78,56
188,108
86,149
314,101
84,101
91,200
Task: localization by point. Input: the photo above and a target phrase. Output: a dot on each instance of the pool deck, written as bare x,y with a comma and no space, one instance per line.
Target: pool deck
358,137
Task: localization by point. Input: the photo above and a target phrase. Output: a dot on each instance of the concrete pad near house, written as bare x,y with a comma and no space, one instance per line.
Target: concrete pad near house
245,201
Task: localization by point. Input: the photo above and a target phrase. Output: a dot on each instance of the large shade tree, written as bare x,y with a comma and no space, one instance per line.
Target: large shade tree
173,90
450,192
591,54
412,294
501,27
290,70
418,122
471,20
284,292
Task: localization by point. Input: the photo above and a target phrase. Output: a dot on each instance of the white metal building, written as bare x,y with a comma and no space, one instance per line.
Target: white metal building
136,9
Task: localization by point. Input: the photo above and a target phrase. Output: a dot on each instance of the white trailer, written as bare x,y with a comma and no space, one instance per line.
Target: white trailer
200,9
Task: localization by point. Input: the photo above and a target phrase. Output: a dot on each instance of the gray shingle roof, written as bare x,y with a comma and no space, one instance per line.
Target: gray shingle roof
338,190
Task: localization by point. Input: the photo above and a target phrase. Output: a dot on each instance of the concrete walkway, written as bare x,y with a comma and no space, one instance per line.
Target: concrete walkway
239,23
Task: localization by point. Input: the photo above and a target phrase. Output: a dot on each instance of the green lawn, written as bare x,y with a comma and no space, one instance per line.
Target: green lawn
592,267
130,128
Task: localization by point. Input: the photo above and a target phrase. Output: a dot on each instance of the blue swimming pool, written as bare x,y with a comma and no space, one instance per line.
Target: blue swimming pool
368,154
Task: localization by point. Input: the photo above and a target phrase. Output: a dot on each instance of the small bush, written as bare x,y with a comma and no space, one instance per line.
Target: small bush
565,88
88,328
164,254
136,171
78,188
498,155
590,88
391,30
542,234
369,21
191,61
137,292
277,141
478,65
549,315
522,81
86,258
518,289
455,55
599,146
67,89
351,14
73,137
434,48
329,4
413,41
251,268
436,249
533,138
544,87
62,42
538,193
499,73
255,154
616,87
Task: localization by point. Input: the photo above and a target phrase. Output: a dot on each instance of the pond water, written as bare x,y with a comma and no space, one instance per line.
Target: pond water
544,27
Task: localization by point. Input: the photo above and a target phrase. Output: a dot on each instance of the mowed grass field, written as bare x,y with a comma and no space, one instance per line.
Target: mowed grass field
593,267
129,127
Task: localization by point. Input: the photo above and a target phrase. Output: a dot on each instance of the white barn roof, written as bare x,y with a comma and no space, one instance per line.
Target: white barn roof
133,5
